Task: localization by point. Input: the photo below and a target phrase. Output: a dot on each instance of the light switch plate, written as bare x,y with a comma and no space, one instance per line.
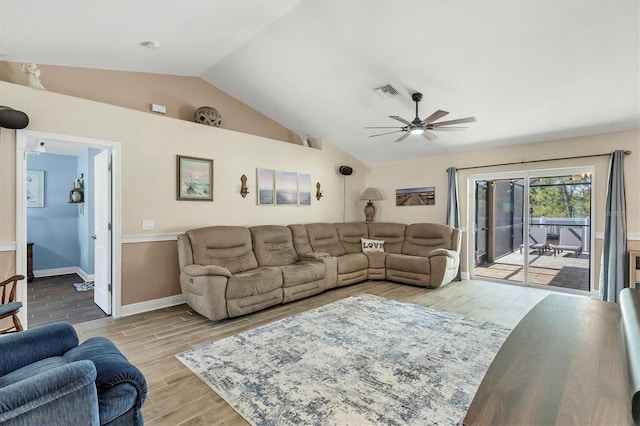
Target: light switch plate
147,224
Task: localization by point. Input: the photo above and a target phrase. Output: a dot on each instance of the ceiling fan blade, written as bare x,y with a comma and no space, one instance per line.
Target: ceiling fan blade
403,137
395,117
448,128
457,121
388,127
429,135
388,133
435,116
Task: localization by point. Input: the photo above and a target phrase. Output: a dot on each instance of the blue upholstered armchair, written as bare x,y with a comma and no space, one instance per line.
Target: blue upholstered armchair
46,378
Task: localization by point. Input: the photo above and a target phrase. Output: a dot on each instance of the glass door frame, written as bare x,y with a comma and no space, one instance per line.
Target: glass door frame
526,175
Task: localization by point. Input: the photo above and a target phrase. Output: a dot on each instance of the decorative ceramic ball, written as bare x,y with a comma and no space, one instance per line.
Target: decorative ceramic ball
209,116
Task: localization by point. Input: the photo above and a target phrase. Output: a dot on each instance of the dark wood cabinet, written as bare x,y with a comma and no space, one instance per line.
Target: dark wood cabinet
29,261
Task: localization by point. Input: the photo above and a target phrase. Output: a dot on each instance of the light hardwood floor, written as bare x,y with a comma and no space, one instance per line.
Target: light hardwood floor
177,397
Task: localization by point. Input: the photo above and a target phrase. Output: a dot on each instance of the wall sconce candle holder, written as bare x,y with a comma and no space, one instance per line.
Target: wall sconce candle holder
243,188
318,192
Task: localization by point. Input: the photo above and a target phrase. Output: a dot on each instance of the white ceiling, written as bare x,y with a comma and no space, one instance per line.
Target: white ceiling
528,70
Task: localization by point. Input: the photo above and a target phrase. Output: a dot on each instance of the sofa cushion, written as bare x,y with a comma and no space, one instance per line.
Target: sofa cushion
302,273
254,282
422,238
350,234
393,235
300,239
352,262
407,263
372,246
324,237
273,245
226,246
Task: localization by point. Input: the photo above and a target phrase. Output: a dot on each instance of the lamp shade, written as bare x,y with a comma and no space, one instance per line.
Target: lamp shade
371,194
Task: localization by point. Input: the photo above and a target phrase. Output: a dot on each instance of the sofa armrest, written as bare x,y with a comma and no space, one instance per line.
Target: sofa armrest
313,255
29,346
443,252
200,270
64,394
112,369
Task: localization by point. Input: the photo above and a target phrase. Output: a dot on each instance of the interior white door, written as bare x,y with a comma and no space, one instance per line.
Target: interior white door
102,237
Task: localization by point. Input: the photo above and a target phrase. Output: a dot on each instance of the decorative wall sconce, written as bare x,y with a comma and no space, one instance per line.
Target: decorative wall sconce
318,192
243,188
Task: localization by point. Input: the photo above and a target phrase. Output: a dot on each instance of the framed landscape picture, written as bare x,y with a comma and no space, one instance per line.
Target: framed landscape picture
35,188
194,178
286,188
423,196
304,189
265,187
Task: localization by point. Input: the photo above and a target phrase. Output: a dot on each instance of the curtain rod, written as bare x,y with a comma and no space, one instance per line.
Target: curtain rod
539,161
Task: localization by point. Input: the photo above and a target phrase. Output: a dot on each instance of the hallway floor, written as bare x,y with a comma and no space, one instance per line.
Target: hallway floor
53,299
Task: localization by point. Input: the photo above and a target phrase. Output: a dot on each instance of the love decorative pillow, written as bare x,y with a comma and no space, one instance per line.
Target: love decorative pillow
372,246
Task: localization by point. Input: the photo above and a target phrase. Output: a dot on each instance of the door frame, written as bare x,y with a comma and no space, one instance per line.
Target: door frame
526,174
22,136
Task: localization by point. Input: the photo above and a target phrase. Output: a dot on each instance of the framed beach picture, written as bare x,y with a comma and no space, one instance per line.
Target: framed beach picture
35,188
194,178
304,189
265,178
423,196
286,188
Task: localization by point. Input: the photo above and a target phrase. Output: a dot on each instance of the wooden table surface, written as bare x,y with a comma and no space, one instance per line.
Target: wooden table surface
563,364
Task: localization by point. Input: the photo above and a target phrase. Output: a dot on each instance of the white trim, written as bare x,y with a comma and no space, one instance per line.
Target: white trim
8,246
465,276
151,305
54,272
129,239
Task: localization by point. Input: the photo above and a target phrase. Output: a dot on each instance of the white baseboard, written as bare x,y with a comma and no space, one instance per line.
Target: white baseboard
465,275
151,305
63,271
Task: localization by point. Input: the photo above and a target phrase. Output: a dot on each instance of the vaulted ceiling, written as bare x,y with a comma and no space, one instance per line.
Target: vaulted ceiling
528,70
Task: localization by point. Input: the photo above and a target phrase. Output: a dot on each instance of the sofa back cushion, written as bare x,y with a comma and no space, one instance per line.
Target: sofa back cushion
392,234
350,235
226,246
273,245
323,237
422,238
300,239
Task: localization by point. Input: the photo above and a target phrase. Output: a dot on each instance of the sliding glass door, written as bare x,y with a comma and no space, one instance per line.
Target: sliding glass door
533,228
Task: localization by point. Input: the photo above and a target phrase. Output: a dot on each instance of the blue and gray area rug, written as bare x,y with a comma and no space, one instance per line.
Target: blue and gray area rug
361,360
83,286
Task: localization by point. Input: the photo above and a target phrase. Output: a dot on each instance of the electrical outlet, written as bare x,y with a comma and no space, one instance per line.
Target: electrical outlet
147,224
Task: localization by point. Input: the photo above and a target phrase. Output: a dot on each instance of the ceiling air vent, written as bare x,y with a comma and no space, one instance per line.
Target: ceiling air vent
386,91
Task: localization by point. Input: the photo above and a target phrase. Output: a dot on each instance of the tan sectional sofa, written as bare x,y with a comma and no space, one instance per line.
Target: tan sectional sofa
228,271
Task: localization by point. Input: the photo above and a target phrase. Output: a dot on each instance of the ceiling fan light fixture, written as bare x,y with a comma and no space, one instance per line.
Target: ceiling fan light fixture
417,131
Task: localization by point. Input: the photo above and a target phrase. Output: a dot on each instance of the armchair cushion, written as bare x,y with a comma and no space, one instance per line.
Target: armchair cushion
18,349
63,395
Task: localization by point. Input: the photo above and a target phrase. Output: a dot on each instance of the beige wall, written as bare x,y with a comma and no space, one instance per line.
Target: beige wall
431,171
140,282
150,144
137,90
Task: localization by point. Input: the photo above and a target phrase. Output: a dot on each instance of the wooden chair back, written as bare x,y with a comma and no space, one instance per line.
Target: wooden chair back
8,305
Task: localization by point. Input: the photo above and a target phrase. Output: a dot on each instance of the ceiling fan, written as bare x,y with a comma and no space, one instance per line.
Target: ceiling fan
423,127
